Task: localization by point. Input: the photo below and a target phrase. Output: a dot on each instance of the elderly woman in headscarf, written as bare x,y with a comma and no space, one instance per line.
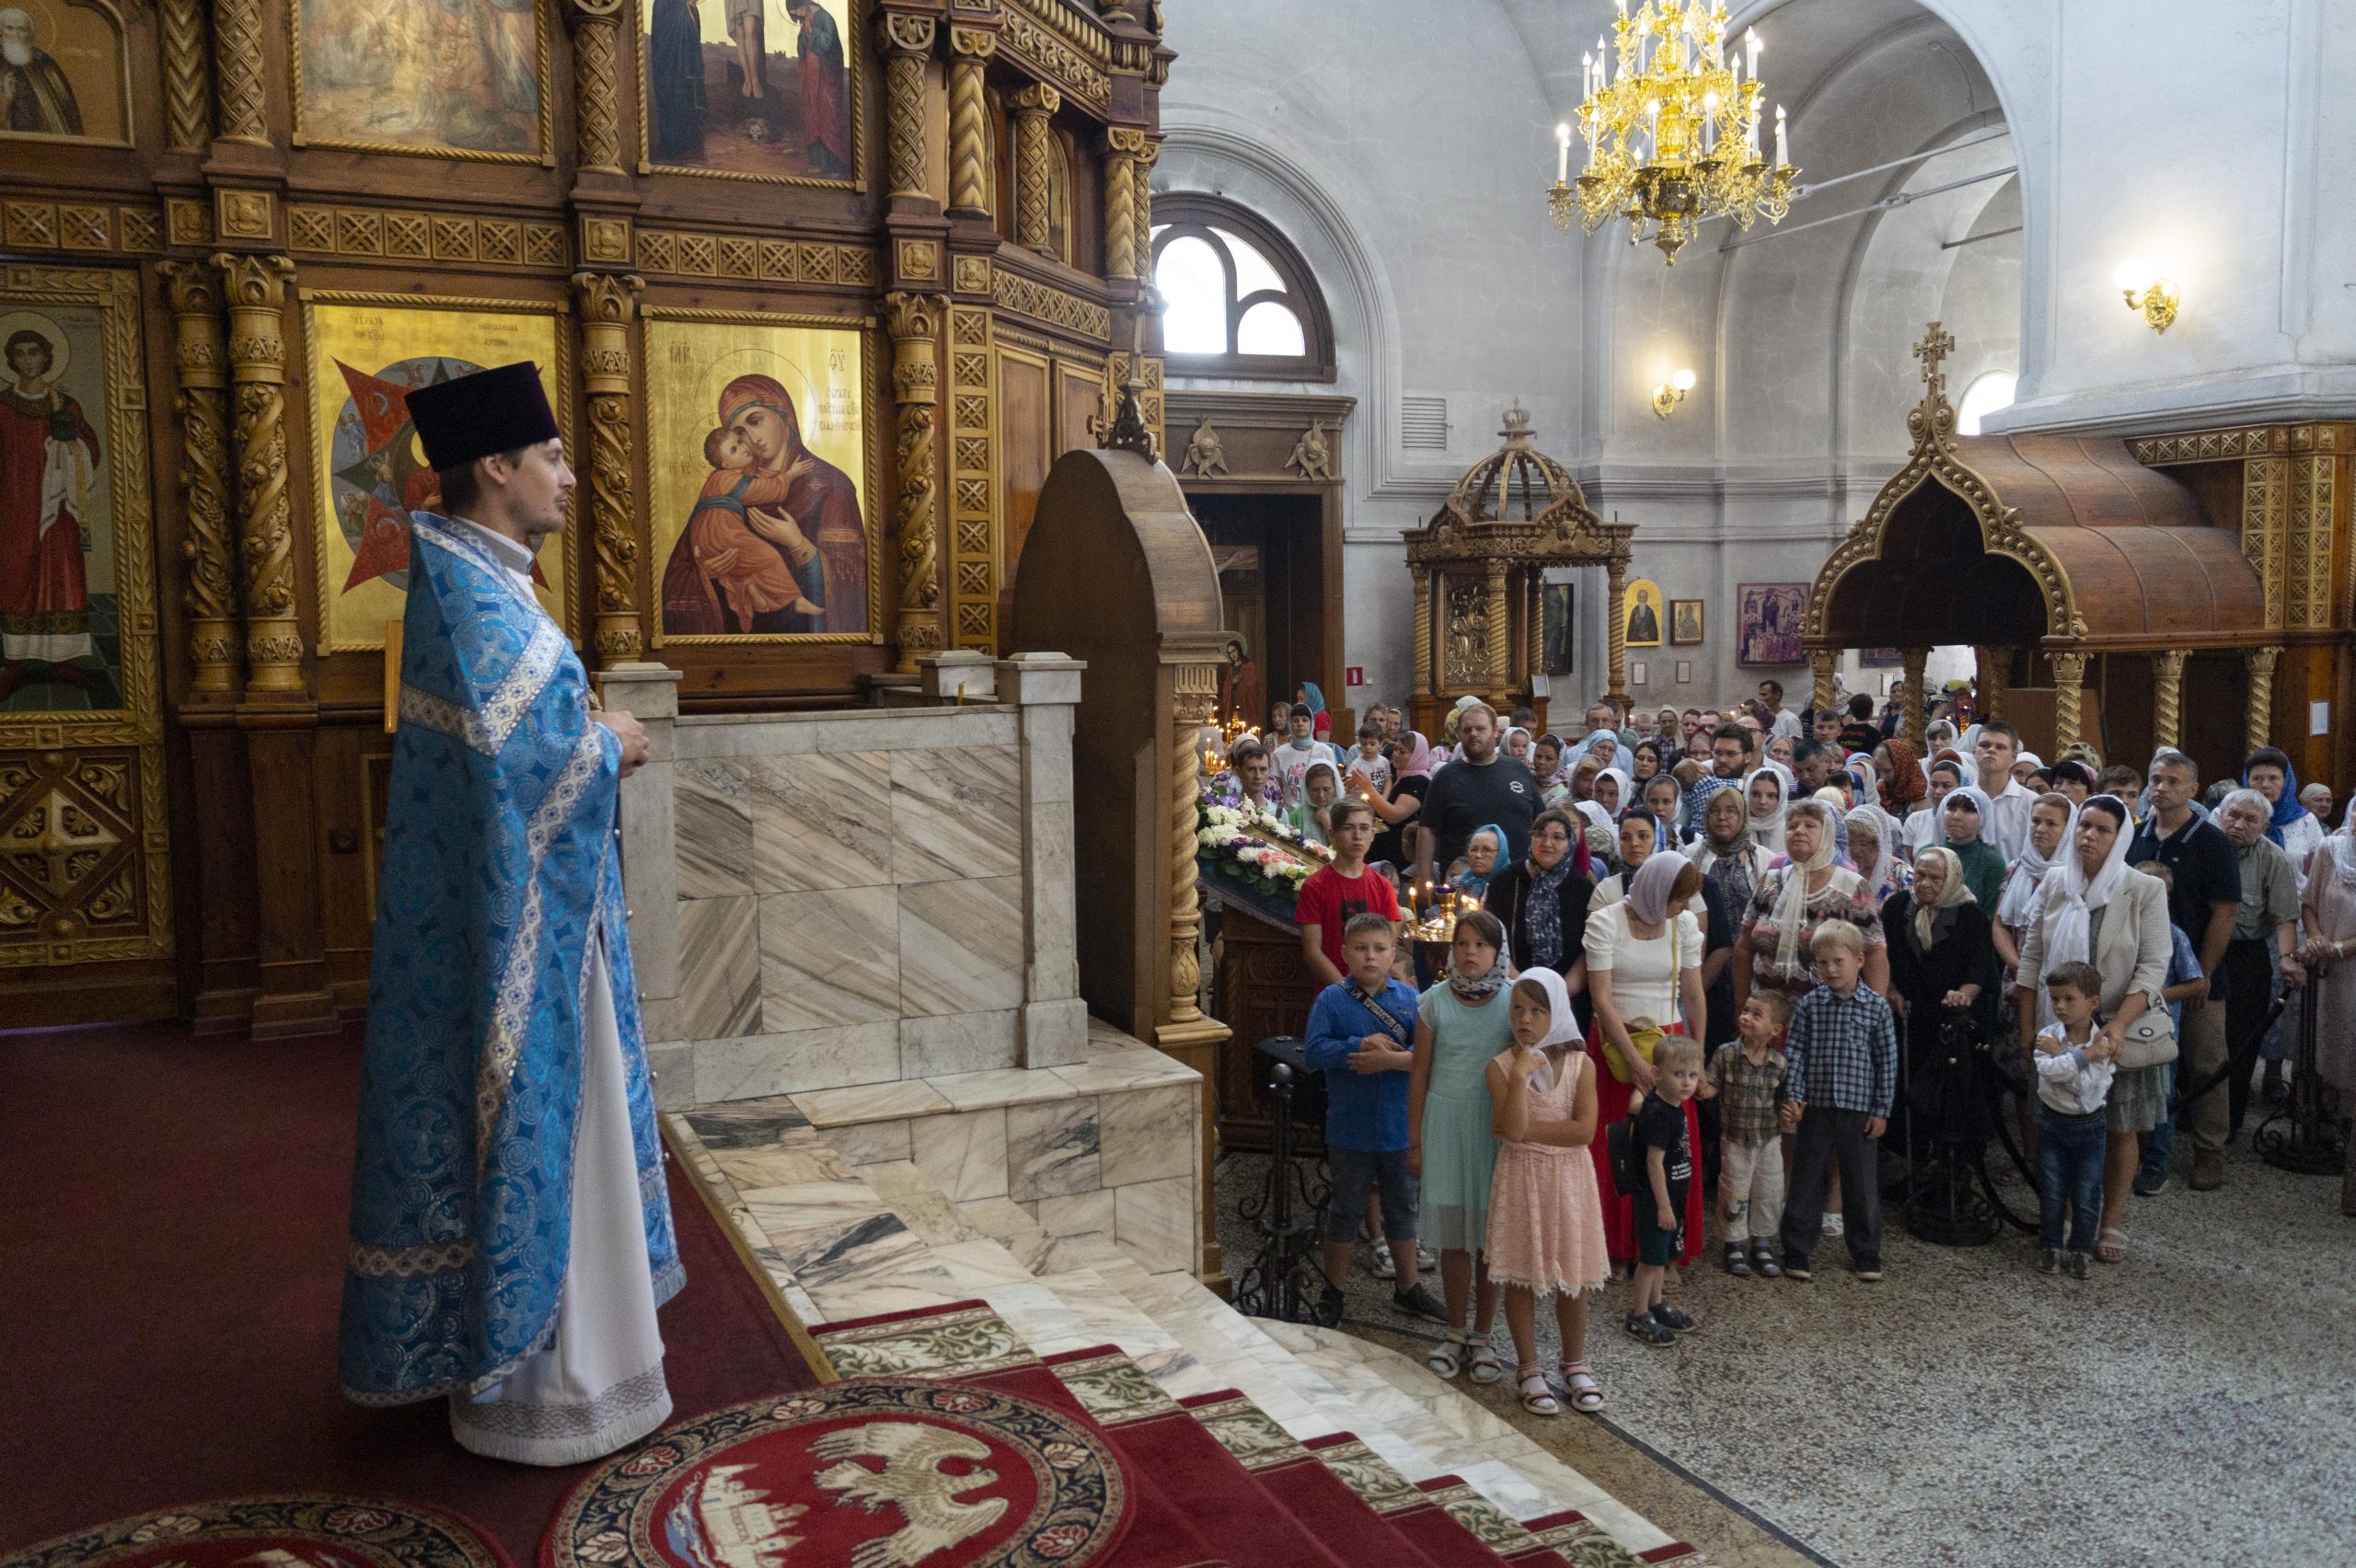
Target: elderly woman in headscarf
1483,852
1766,795
2092,909
1793,900
1965,817
1942,959
1873,851
1730,856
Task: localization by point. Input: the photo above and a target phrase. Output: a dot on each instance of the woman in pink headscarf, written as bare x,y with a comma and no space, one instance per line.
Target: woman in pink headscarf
775,543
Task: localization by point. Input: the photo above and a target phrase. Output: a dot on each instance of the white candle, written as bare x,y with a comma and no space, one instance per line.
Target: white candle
1781,150
1562,153
1750,45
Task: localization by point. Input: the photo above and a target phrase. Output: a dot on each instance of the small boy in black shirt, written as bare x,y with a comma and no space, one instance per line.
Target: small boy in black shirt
1667,1156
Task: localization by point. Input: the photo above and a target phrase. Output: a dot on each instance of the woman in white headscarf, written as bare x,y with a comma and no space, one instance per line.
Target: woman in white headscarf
2092,909
1615,791
1767,795
1876,851
2049,825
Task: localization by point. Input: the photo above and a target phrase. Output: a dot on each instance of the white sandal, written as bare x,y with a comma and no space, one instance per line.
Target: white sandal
1537,1396
1485,1366
1587,1394
1445,1359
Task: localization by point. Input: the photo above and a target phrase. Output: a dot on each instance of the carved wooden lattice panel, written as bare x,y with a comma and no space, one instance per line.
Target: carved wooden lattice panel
73,881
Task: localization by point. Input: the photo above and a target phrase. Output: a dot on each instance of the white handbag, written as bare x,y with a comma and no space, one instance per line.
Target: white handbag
2149,1041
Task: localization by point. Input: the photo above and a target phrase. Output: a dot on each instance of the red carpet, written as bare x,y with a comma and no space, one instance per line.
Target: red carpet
248,1530
175,1227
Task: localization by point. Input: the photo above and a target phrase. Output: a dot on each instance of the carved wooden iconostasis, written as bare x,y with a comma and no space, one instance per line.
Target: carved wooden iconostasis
831,279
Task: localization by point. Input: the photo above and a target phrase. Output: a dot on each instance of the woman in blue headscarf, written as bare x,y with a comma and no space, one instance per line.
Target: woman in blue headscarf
2292,827
1484,853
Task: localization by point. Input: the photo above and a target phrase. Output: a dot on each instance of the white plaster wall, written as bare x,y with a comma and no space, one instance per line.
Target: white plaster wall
1393,145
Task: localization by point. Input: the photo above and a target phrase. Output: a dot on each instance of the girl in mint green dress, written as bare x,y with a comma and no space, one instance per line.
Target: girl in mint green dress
1461,1023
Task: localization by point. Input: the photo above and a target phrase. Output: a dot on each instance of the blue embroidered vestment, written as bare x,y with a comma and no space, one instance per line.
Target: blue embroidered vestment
500,869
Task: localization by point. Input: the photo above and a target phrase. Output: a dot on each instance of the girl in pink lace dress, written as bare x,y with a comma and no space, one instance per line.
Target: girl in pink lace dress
1545,1217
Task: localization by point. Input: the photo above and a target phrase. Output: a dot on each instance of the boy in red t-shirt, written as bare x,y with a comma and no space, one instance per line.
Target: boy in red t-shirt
1332,893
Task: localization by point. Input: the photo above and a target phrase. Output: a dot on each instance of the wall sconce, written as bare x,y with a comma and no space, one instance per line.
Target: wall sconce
1670,393
2155,296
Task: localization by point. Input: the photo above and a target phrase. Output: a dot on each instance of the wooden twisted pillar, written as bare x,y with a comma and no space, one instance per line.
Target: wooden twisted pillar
1500,641
1615,630
907,43
1820,662
2069,698
914,321
1912,661
971,186
1993,664
203,404
240,72
188,87
609,302
255,287
1122,258
2168,698
1141,206
1186,1034
597,84
2259,730
1034,143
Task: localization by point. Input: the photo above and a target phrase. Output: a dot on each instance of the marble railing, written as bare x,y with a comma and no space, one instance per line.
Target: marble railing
824,900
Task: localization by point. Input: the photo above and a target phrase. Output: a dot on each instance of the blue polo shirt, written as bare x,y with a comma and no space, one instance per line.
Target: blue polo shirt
1367,1112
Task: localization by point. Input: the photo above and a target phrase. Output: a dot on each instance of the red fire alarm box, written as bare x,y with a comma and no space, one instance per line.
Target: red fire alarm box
1354,675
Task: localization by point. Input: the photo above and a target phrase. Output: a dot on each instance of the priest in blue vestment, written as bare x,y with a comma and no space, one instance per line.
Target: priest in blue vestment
511,1229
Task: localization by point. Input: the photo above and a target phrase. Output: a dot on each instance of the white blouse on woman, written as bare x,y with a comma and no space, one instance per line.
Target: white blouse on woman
1641,986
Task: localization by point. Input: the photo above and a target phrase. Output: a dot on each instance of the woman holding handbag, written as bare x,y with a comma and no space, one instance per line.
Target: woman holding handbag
2090,909
1644,979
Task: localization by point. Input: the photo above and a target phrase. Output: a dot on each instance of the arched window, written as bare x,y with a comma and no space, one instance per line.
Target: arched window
1988,392
1238,300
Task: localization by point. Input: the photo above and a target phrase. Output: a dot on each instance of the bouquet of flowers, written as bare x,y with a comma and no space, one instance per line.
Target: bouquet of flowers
1258,851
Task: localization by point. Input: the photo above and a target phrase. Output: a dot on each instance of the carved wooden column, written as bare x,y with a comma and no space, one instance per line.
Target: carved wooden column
1426,678
1820,662
1122,259
1615,630
971,182
2259,730
914,321
187,86
1533,628
1500,639
255,290
1912,660
2168,698
1034,143
1141,206
1994,663
907,43
608,302
2069,695
597,83
203,404
1186,1034
241,72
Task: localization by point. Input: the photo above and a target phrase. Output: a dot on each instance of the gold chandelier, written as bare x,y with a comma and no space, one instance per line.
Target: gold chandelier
1672,131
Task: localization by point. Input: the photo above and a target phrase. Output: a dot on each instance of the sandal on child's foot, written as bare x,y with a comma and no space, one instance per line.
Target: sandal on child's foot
1537,1397
1486,1368
1644,1327
2048,1260
1446,1358
2080,1266
1738,1262
1669,1318
1587,1394
1763,1259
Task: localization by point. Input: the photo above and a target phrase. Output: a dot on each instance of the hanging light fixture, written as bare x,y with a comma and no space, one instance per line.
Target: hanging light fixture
1672,128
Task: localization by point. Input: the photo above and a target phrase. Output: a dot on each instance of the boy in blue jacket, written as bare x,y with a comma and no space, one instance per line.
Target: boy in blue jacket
1362,1036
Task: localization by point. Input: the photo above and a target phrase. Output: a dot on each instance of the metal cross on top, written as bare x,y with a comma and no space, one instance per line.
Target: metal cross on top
1932,352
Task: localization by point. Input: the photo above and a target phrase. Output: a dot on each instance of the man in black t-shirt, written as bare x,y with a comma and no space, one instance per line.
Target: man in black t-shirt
2203,903
1481,787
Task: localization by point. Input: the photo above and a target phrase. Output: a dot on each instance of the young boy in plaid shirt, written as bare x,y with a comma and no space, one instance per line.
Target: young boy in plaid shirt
1841,1073
1746,1078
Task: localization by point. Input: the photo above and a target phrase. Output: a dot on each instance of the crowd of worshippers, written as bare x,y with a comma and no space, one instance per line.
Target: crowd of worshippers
1704,955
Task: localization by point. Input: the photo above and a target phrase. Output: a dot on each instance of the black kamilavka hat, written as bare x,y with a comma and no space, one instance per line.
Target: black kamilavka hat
474,416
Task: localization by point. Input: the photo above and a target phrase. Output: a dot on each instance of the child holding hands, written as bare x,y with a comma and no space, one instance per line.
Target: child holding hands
1668,1175
2075,1066
1546,1214
1746,1077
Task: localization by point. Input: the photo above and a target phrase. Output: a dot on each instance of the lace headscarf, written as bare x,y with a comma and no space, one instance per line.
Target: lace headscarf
1830,796
1791,904
1952,891
1881,874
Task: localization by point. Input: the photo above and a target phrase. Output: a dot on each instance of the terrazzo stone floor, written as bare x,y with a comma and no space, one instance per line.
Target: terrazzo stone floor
2191,1406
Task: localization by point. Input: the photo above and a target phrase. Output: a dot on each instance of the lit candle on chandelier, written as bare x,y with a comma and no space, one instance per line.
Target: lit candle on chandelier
1750,47
1562,153
1782,158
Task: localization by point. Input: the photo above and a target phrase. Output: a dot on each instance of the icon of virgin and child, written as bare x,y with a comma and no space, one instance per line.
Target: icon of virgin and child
774,544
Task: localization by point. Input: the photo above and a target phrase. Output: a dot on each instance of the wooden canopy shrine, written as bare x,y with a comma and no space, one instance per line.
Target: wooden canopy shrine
2099,595
1478,567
